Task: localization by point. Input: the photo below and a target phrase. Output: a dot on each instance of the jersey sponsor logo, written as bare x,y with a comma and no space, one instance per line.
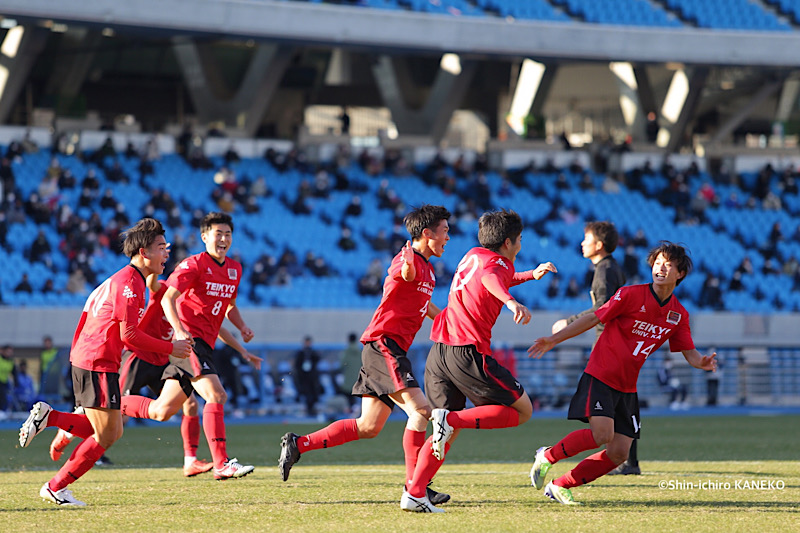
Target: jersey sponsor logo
232,274
128,293
646,329
643,310
673,317
224,290
597,406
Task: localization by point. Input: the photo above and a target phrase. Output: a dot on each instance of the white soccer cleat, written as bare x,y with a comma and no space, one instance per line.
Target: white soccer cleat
35,423
417,505
442,431
62,497
232,469
540,468
559,494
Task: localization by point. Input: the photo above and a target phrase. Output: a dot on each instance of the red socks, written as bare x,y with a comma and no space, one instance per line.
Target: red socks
81,460
190,431
78,425
136,406
484,417
214,427
573,444
412,444
587,470
427,466
332,435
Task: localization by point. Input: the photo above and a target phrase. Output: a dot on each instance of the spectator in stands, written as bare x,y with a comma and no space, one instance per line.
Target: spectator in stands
672,385
745,267
346,241
231,155
67,180
371,283
316,265
306,375
90,181
736,282
380,243
573,289
322,184
115,174
47,357
733,201
344,119
769,268
107,201
350,366
586,183
24,285
36,209
24,394
630,264
354,208
40,250
76,284
48,286
6,377
289,261
259,188
790,266
711,293
15,151
8,181
553,288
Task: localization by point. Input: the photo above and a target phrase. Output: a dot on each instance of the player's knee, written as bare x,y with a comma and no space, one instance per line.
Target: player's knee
218,396
418,419
617,456
368,429
162,413
602,436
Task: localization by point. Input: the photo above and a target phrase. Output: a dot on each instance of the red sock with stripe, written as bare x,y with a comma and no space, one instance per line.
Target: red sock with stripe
190,432
136,406
427,466
588,470
81,460
332,435
214,427
573,444
412,444
484,417
78,425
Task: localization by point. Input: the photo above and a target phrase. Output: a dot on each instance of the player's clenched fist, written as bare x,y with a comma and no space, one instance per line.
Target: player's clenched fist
181,349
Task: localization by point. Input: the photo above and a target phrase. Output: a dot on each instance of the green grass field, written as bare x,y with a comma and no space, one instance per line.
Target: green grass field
358,486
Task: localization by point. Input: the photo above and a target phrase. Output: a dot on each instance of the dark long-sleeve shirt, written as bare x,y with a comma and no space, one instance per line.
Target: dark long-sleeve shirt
607,280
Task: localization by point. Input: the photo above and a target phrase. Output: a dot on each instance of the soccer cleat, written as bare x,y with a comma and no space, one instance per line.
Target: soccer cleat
441,432
559,494
61,497
198,466
540,468
60,442
232,469
35,423
626,469
418,505
436,498
103,461
290,454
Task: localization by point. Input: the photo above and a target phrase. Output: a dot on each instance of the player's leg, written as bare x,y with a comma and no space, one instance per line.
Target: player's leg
598,464
209,387
42,416
190,434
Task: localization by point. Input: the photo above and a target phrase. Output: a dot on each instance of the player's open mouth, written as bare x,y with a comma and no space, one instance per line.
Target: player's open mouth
659,276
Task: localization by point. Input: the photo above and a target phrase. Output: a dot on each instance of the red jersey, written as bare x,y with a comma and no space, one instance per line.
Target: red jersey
155,323
471,309
207,288
97,344
636,325
404,304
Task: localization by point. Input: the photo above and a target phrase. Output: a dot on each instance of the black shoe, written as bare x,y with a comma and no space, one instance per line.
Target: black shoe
436,498
103,461
626,469
290,454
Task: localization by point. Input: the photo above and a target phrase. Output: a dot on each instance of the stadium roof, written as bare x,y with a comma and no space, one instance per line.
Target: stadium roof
405,31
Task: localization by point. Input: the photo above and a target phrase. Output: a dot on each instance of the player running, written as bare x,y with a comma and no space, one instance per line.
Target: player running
638,320
459,365
109,322
200,294
386,377
171,382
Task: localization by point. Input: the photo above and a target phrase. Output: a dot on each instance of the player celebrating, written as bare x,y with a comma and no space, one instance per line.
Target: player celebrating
638,320
110,320
201,293
169,381
386,377
459,365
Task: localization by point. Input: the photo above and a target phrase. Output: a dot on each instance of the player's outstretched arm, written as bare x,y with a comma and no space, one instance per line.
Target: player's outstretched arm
544,344
698,360
228,338
236,319
540,271
409,271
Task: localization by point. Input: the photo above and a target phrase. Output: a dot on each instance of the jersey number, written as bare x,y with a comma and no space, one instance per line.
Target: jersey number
217,307
424,310
646,352
466,269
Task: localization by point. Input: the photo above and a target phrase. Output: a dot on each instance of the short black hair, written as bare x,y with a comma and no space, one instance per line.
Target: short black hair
604,232
674,253
424,216
141,235
494,227
213,218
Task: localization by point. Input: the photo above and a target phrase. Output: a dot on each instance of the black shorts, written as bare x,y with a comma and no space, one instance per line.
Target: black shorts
385,369
595,398
200,362
98,390
455,373
137,373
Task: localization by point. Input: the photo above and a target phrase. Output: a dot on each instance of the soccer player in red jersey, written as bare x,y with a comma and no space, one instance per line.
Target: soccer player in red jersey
109,322
638,320
459,363
171,382
201,293
386,377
